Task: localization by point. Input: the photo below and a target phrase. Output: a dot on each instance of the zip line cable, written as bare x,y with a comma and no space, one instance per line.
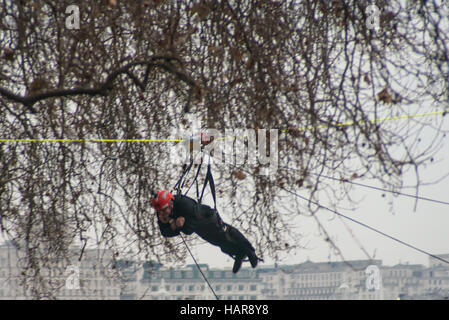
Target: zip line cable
385,190
368,227
354,220
344,124
201,271
373,187
358,222
345,217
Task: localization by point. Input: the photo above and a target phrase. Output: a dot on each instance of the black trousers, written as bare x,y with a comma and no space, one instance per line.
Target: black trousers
236,244
230,240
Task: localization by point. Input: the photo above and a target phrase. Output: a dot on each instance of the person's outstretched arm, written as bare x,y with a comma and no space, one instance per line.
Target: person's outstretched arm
167,229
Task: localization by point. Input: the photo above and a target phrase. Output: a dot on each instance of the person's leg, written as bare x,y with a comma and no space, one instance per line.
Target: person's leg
237,237
228,238
242,246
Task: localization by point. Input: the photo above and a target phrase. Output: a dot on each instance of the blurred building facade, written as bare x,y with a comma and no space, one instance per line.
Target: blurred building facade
96,277
91,278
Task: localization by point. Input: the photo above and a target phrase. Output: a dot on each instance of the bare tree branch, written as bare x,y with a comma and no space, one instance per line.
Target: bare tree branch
103,88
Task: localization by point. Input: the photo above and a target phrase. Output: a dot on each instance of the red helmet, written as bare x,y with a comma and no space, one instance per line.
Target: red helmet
162,200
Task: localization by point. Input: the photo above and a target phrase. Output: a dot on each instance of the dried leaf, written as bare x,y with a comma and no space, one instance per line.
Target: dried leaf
367,79
213,49
237,54
294,131
385,96
8,54
158,2
387,16
37,86
198,93
250,63
290,143
201,10
236,81
239,175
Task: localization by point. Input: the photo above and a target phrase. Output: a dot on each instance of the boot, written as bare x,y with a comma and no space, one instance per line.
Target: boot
253,259
237,264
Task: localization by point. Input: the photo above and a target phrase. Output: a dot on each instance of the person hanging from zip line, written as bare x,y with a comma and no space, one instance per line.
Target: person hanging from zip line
181,213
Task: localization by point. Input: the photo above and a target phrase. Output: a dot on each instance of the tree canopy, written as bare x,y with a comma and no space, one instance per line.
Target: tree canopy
331,76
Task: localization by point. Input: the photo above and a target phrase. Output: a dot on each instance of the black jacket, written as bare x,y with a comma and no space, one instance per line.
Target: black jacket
206,222
199,218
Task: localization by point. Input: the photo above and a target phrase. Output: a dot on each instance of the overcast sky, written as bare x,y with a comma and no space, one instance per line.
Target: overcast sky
425,228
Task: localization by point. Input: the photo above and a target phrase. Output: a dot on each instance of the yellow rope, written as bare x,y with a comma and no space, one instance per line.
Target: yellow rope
345,124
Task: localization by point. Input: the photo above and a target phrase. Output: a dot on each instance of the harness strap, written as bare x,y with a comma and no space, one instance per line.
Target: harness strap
178,186
209,179
195,180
